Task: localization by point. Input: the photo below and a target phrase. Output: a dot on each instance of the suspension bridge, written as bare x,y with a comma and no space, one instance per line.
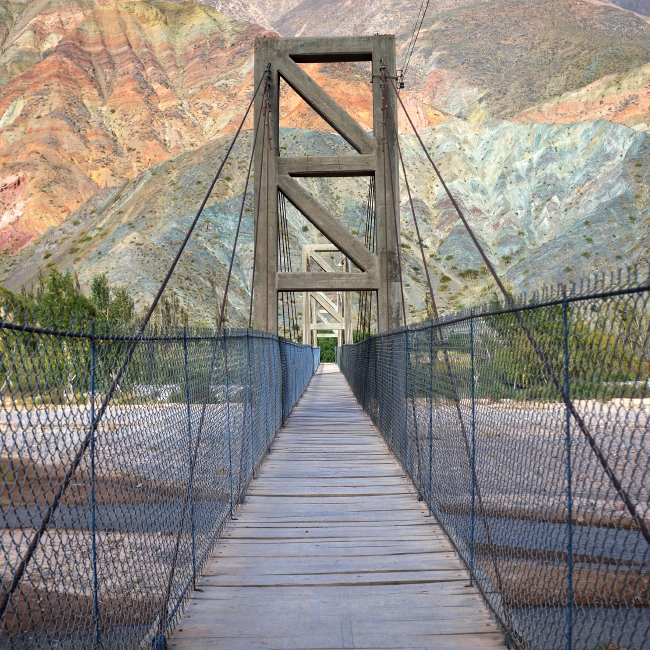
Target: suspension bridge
479,480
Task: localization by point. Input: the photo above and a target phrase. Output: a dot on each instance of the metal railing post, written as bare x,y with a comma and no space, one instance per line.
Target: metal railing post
249,397
430,415
189,452
225,360
93,503
569,524
473,461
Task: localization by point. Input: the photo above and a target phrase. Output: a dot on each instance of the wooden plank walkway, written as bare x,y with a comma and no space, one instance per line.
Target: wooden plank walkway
332,549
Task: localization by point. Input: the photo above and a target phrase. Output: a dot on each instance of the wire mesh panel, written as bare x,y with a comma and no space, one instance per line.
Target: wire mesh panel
110,507
525,428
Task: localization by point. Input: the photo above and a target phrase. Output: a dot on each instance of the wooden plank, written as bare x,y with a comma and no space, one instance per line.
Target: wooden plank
332,549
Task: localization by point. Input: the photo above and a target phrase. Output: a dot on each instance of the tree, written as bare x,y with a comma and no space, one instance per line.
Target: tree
121,307
113,305
61,298
100,294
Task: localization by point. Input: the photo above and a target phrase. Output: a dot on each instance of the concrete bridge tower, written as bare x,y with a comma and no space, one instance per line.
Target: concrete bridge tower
376,156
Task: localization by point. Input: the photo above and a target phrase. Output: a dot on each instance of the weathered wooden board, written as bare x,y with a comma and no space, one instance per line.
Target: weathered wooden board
331,549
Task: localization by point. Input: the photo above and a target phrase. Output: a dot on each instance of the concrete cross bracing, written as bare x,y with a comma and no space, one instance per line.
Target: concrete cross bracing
376,157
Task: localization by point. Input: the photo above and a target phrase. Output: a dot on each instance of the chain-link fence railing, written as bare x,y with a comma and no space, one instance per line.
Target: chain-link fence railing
110,507
525,428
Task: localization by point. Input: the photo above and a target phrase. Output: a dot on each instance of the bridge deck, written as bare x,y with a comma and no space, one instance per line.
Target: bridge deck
331,549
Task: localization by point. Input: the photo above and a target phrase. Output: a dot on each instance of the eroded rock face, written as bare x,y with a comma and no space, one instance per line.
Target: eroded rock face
261,12
550,203
622,98
133,84
537,112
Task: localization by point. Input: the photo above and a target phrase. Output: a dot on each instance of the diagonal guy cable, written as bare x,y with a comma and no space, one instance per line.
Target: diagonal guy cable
241,210
163,620
33,544
616,482
506,609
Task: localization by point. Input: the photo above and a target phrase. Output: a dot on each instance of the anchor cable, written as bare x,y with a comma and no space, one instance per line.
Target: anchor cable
415,35
593,444
241,214
67,479
454,389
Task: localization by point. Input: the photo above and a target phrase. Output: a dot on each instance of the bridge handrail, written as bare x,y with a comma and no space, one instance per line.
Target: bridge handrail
532,507
195,413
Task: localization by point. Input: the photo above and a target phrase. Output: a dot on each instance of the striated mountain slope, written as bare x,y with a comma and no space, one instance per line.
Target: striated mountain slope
497,59
536,111
549,202
345,18
623,98
133,84
260,12
31,30
500,58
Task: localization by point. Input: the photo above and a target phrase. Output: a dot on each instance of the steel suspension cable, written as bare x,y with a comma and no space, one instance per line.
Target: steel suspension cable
365,297
394,206
67,479
265,110
452,383
415,220
241,214
162,622
593,444
284,243
416,34
281,265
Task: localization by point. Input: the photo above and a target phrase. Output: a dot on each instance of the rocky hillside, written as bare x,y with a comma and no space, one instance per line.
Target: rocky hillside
132,84
638,6
536,110
547,201
261,12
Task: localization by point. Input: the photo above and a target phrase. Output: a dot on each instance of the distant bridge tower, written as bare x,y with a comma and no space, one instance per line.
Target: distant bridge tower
376,157
318,304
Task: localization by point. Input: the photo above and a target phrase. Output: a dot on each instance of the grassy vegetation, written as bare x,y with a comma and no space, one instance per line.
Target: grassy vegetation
56,369
327,348
606,346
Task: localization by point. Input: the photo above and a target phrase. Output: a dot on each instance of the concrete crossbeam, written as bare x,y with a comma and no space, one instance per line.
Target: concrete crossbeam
328,50
328,166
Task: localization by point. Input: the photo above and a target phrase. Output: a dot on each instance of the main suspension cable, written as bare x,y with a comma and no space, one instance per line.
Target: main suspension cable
415,220
395,205
265,131
450,375
241,213
414,37
487,261
593,444
67,479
